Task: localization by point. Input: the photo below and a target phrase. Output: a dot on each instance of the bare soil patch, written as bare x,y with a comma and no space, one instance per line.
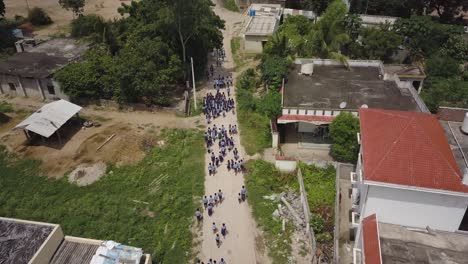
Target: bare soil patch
60,16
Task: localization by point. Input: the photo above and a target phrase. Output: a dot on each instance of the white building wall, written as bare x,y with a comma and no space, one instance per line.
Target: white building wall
415,208
253,44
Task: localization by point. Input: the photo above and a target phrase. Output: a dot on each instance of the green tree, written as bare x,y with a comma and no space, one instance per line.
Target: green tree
424,36
277,45
396,8
295,28
456,47
318,6
343,132
147,71
353,24
76,6
273,69
448,10
270,104
92,78
445,92
379,43
38,17
329,33
442,66
2,8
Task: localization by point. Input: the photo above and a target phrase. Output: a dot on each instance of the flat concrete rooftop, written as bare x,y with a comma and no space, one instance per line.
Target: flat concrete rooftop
330,85
401,245
19,241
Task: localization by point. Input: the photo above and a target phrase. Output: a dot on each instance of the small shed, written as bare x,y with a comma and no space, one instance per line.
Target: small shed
49,119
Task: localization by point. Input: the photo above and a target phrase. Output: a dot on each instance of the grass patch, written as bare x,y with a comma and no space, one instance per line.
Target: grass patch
262,179
170,179
254,126
198,111
5,107
321,191
231,5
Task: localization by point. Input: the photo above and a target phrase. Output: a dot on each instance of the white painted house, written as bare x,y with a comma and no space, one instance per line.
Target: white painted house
407,173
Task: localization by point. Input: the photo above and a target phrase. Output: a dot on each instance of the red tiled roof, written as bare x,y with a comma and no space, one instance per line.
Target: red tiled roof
408,148
371,241
307,118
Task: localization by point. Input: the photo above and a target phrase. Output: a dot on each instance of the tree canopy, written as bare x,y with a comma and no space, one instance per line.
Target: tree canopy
142,57
2,8
76,6
343,132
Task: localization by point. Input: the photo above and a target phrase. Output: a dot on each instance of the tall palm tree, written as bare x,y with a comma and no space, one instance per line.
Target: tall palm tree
329,34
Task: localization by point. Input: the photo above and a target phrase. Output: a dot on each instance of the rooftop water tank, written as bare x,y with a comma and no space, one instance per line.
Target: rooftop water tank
307,68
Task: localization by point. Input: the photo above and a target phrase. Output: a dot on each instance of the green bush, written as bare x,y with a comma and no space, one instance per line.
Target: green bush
343,132
87,25
5,107
38,17
270,104
254,125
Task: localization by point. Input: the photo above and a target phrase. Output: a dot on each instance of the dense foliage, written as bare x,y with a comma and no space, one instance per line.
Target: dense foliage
318,6
38,17
2,8
376,43
106,209
76,6
252,113
320,185
88,25
343,132
448,11
263,179
145,53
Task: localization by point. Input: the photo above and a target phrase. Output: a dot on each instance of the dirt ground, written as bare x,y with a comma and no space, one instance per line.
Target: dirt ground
60,16
79,146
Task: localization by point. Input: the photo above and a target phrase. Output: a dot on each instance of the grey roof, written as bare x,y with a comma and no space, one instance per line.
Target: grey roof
400,245
74,253
44,59
19,241
331,85
49,118
261,26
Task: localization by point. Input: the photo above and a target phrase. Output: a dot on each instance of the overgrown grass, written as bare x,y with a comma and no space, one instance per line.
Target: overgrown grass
169,179
5,107
321,190
231,5
263,179
254,126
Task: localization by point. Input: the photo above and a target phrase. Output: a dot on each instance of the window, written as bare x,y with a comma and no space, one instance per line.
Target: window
12,86
51,89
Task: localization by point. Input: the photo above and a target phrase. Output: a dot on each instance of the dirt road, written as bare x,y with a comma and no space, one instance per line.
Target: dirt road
243,243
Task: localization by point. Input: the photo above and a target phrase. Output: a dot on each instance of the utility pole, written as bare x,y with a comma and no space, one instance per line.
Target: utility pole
193,79
27,4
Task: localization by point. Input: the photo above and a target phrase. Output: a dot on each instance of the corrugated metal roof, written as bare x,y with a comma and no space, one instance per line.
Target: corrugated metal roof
49,118
408,149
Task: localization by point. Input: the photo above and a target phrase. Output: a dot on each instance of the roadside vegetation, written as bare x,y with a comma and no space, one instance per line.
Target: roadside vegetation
148,205
231,5
254,124
263,180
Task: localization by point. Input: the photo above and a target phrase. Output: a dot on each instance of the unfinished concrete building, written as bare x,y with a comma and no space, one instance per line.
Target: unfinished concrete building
29,242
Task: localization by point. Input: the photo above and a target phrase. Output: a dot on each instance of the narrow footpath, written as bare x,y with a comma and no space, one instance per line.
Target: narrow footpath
243,243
